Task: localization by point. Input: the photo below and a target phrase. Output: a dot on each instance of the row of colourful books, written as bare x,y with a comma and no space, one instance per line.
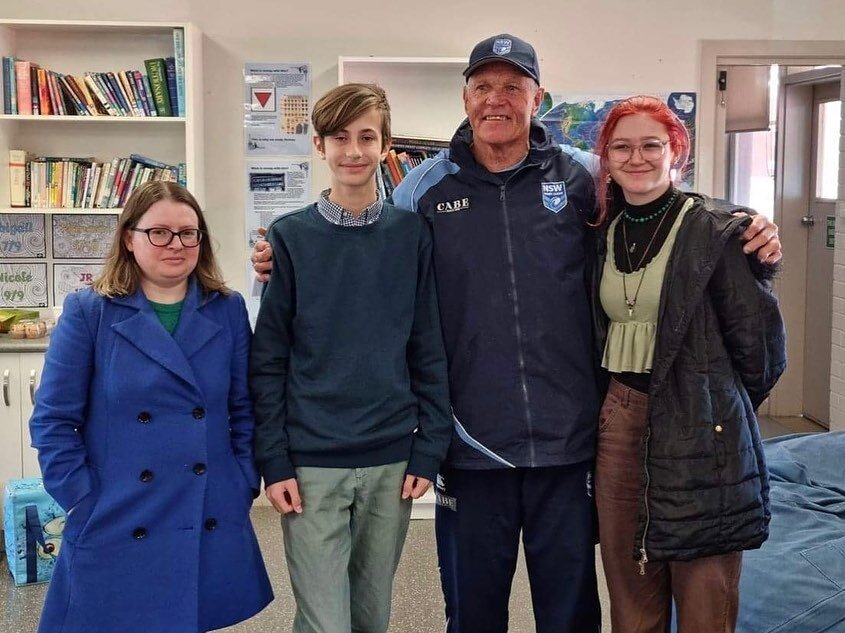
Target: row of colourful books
30,89
51,182
405,154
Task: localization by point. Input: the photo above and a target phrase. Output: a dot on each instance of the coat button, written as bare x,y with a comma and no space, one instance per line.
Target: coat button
199,413
139,533
146,476
210,524
199,469
144,417
718,428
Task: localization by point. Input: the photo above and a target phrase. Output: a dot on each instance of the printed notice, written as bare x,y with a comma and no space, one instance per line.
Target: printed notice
276,105
22,235
82,236
23,285
273,189
68,278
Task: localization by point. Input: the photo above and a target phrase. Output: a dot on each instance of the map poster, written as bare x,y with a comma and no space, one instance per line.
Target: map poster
68,278
22,235
575,120
23,285
82,236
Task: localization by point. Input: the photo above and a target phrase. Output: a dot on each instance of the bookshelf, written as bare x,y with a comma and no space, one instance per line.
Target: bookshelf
77,47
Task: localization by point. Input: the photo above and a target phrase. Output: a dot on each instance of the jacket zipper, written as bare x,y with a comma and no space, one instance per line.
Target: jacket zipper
643,552
518,331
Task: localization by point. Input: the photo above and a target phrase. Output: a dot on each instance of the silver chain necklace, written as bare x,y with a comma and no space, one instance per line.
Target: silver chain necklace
632,302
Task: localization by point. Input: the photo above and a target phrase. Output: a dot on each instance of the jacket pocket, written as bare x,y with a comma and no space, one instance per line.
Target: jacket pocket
79,516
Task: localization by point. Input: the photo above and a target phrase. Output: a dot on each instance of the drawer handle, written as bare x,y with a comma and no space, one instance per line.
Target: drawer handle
6,387
32,386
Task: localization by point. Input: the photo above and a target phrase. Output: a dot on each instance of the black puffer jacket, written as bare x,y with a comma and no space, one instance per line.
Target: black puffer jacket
720,349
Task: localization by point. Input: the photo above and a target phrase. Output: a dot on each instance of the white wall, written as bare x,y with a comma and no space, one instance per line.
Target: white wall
598,46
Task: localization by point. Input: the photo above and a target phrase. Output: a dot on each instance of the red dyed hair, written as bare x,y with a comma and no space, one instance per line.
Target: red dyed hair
655,108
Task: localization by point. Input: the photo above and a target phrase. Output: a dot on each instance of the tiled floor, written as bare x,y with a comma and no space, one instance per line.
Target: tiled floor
417,602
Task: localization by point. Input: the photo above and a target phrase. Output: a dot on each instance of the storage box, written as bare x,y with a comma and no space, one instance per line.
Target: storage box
33,523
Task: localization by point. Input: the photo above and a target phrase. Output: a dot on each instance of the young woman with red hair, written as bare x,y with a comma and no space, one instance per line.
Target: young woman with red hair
693,341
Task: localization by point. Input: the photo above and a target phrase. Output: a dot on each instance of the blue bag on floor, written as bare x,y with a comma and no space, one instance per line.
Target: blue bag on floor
33,523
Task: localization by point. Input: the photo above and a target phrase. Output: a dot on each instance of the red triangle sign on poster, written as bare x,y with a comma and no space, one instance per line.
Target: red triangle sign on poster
262,97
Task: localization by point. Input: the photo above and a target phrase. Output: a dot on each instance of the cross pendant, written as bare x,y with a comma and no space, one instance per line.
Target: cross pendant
630,308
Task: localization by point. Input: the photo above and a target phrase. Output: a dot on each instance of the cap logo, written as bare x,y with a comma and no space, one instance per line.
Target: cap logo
502,46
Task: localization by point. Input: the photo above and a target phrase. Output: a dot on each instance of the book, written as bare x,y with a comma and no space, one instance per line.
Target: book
45,103
8,81
393,167
18,160
158,84
33,87
92,103
80,106
138,79
125,78
96,93
109,183
120,92
109,91
14,85
56,95
24,87
179,54
148,93
170,72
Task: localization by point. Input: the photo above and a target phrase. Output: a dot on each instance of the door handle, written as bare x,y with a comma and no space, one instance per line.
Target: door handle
808,220
32,386
6,387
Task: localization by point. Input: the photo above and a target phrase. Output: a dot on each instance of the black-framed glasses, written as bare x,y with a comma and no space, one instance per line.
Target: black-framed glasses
650,150
160,236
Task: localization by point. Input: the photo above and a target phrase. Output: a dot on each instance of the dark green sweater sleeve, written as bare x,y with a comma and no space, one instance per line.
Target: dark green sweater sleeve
268,366
427,370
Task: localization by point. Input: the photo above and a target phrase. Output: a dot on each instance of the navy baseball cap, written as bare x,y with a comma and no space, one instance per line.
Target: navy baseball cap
505,48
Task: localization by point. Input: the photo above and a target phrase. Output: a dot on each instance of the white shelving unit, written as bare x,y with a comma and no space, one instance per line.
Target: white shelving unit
424,92
76,47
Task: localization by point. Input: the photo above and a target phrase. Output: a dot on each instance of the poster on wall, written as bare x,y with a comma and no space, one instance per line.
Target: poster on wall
22,236
68,278
277,101
273,189
82,236
23,285
575,119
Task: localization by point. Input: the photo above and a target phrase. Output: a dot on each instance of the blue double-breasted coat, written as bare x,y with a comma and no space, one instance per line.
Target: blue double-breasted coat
146,438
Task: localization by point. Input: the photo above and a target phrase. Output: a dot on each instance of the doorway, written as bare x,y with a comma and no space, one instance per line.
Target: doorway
791,171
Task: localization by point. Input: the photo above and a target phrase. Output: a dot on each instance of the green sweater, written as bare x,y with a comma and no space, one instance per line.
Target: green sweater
347,367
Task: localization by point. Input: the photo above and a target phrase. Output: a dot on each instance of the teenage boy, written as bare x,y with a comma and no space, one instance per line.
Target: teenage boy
348,375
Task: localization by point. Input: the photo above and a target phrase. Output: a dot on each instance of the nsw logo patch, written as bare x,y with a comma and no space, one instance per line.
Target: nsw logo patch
554,195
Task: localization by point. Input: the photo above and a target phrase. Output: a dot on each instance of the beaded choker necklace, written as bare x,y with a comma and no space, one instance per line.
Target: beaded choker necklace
633,218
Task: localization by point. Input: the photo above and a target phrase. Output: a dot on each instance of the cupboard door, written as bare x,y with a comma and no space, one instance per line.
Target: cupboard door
31,365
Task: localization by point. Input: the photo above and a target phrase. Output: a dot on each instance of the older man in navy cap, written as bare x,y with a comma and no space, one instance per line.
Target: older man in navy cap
509,210
510,262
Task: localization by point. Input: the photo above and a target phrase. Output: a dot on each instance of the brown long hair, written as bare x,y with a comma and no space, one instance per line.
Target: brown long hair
121,275
679,143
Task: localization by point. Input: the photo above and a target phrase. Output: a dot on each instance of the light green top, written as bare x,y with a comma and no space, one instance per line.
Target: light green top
631,338
168,314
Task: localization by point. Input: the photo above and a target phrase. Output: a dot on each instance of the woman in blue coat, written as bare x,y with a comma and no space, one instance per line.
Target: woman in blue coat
143,425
